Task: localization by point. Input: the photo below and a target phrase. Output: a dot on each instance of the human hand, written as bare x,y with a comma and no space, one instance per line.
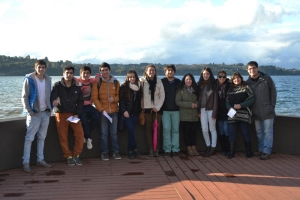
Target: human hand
126,114
237,106
154,109
56,102
110,99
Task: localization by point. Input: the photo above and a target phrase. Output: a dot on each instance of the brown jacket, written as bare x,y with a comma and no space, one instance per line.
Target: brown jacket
211,101
100,97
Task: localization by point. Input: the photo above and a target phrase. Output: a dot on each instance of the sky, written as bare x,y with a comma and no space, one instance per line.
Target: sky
156,31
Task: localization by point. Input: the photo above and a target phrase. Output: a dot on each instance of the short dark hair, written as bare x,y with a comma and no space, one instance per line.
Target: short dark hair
85,68
69,68
222,71
170,66
40,62
104,64
252,63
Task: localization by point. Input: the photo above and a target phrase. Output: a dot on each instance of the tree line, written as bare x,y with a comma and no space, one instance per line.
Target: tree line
19,66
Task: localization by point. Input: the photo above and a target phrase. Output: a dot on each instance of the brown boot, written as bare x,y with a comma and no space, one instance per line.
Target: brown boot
195,150
190,151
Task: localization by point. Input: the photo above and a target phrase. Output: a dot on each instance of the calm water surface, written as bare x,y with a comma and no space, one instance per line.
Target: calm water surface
288,94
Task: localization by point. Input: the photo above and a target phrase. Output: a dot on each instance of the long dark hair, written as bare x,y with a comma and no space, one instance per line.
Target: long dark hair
126,83
194,84
211,83
243,83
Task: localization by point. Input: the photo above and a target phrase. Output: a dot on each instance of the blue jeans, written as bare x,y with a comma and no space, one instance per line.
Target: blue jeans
264,131
223,127
36,125
208,122
244,127
130,124
111,128
90,118
170,121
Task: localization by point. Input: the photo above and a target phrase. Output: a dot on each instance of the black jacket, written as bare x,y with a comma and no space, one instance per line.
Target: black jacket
170,93
222,110
129,105
71,99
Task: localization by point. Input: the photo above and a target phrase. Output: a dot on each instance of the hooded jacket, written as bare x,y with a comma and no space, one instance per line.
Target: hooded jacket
100,96
265,97
70,98
29,94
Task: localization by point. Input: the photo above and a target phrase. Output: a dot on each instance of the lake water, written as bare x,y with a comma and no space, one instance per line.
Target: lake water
288,94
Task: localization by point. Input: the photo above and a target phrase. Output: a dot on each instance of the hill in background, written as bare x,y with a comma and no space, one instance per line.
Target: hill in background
19,66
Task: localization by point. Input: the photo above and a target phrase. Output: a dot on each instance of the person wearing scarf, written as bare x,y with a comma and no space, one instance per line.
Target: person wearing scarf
130,107
240,97
152,101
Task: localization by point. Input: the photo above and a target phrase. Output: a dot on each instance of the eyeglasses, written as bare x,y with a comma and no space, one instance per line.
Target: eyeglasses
222,76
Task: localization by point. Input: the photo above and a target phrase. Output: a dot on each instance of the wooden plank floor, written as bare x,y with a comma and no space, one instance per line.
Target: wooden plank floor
159,178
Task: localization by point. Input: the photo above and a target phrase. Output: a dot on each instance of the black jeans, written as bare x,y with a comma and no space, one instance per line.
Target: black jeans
189,132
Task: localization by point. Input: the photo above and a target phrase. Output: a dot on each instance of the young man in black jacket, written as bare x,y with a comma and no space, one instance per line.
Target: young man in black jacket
68,102
170,117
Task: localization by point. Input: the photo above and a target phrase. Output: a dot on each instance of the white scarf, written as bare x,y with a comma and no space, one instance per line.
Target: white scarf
134,87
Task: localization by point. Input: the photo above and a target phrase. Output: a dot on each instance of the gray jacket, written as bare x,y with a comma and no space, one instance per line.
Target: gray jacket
265,97
27,97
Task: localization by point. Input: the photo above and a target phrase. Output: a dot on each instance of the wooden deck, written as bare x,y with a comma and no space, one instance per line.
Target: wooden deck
159,178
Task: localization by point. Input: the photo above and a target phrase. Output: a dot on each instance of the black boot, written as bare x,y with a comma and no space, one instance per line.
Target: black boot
223,144
227,144
231,150
206,151
211,152
248,149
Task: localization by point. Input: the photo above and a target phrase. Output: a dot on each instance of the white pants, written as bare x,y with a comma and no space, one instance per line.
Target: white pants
207,120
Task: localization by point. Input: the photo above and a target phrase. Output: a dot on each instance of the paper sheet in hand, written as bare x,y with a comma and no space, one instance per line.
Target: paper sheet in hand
107,116
73,119
231,112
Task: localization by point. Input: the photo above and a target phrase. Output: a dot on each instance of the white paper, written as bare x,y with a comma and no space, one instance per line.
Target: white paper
231,112
107,116
73,119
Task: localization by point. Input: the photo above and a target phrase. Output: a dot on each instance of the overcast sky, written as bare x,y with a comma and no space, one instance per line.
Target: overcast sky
154,31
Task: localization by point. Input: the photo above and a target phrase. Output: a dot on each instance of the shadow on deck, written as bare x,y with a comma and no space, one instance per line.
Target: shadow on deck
159,178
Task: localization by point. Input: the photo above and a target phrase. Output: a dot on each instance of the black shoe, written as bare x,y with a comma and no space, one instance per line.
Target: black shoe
167,154
175,154
136,153
130,154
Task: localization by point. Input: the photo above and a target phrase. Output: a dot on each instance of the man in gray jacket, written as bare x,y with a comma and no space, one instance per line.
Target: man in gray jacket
263,108
36,102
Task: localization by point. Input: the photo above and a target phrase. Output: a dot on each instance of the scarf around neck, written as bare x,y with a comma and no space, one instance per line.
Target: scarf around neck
152,86
135,87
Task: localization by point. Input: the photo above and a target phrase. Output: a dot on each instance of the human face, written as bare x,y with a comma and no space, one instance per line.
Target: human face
131,78
105,72
40,69
85,75
188,81
68,75
237,80
151,72
221,78
206,75
170,73
253,71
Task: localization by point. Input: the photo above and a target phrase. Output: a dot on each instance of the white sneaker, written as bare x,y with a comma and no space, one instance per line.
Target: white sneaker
84,140
89,143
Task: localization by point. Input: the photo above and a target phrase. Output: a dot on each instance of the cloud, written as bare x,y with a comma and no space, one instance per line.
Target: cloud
168,31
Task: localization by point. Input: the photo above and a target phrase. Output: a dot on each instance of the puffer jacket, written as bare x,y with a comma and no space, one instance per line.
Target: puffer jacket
100,96
265,97
126,104
211,101
159,94
71,99
184,100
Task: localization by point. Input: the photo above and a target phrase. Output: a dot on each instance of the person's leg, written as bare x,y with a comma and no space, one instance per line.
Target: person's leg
79,135
268,140
212,128
222,136
41,135
94,117
85,122
32,125
62,126
204,126
104,133
193,131
260,136
113,132
232,136
244,126
129,123
166,122
175,119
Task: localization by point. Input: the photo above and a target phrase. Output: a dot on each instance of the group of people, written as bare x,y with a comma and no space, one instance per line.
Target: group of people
86,103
